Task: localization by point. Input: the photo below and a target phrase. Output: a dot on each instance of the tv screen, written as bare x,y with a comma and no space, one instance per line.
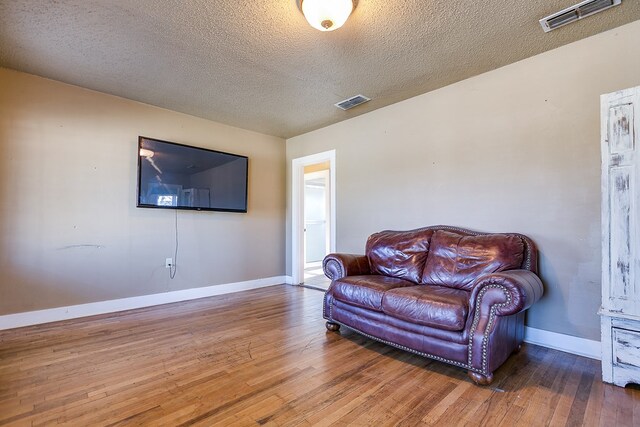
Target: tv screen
176,176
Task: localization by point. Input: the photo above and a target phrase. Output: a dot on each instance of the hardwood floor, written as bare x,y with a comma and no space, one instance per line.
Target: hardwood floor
263,357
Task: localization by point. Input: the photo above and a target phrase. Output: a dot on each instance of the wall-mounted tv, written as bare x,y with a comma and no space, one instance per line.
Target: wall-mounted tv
176,176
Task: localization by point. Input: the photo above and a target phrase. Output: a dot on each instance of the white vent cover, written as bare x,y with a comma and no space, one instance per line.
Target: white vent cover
575,12
354,101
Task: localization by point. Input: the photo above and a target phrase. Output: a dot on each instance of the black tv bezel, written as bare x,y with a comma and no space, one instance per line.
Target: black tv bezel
188,208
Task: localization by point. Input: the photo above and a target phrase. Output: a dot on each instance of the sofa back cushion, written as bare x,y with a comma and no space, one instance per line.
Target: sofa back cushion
400,254
457,261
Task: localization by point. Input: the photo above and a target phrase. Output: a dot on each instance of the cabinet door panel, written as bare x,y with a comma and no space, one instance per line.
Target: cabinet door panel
620,200
620,128
621,250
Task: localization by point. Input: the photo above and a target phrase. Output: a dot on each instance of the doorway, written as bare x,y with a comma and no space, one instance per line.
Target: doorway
313,217
317,221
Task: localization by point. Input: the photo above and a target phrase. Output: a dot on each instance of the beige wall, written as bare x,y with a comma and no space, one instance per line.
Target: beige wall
71,233
515,149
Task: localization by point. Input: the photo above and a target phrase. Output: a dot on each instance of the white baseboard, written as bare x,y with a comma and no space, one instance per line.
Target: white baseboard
562,342
289,280
29,318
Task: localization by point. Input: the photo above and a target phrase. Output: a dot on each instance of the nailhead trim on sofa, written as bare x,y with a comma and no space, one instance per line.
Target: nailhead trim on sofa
341,271
492,316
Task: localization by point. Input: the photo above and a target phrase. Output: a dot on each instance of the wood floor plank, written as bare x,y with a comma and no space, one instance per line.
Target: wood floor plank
263,357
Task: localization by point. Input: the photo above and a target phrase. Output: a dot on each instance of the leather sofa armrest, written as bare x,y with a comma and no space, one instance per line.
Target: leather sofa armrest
510,292
337,266
495,295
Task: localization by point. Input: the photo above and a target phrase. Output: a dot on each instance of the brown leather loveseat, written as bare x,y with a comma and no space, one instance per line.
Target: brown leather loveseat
447,293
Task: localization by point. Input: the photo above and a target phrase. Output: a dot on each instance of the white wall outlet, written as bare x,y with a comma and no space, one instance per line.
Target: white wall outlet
168,263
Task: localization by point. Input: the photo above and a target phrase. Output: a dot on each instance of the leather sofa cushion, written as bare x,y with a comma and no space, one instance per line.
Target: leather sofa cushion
400,254
435,306
365,291
457,261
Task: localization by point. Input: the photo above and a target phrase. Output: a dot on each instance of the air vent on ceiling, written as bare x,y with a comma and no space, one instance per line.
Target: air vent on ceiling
575,12
354,101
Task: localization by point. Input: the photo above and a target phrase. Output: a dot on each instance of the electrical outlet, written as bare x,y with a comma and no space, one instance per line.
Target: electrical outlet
168,263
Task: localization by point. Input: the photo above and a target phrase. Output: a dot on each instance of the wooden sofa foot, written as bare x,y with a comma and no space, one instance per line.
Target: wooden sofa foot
518,349
479,378
333,327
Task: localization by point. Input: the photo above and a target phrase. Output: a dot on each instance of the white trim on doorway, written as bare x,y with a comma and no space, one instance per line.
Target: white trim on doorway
297,208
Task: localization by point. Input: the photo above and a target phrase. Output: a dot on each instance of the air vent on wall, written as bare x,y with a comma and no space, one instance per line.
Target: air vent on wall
354,101
575,12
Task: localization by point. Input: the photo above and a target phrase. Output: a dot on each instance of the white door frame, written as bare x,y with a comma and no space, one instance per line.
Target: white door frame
297,208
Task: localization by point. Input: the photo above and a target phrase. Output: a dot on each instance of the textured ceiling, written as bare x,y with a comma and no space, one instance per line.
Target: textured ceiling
258,65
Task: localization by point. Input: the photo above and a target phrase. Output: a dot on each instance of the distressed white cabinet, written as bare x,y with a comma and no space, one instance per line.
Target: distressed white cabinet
620,312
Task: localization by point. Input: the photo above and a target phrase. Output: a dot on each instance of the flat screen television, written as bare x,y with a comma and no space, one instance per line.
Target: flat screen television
176,176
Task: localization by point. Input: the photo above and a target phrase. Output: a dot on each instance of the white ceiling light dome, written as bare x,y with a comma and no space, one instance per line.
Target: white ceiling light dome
327,15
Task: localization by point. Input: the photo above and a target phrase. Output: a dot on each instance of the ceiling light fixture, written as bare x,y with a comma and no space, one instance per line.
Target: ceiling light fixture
327,15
